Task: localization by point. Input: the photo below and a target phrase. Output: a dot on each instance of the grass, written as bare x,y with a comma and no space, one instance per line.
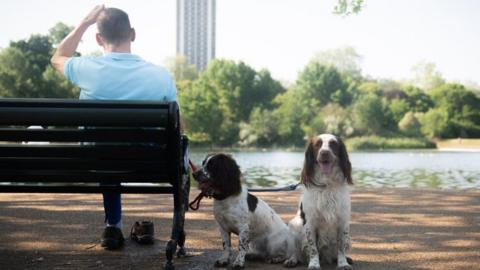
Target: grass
380,143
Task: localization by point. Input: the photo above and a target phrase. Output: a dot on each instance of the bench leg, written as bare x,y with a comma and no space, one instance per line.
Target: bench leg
178,233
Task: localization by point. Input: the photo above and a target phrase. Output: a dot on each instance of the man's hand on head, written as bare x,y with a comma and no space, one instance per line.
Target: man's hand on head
69,44
91,18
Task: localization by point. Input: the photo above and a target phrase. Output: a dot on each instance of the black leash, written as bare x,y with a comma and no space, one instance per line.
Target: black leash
291,187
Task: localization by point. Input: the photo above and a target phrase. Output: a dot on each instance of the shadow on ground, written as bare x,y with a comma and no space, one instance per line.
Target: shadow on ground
391,229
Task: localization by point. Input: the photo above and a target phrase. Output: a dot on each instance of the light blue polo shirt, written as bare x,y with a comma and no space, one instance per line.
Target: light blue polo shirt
120,76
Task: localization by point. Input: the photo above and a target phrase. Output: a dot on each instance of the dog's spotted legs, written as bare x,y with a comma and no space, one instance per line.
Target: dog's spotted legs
243,247
314,260
343,244
224,260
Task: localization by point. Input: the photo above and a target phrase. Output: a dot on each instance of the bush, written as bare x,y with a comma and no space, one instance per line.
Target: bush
410,125
379,143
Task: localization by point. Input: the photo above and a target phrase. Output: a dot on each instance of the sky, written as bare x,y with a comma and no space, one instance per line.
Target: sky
283,35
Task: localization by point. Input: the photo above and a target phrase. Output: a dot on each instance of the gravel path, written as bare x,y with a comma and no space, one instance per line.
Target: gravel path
391,229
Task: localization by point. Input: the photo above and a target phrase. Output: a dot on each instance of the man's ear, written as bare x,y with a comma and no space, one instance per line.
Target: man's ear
99,39
133,34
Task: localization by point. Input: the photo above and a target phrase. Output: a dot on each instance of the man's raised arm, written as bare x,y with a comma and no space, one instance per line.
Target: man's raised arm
69,44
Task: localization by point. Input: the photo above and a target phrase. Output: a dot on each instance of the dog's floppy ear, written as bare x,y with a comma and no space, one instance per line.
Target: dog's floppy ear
345,164
225,174
309,163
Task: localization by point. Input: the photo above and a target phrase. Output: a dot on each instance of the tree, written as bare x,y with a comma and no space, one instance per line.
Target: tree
461,107
418,100
410,125
345,59
371,115
398,107
181,70
265,89
201,112
25,70
426,76
434,123
323,84
337,120
261,130
292,115
234,89
347,7
58,32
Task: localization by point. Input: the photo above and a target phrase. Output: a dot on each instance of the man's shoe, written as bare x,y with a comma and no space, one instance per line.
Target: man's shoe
112,238
142,232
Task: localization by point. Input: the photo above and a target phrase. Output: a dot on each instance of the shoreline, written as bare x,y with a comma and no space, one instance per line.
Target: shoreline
392,228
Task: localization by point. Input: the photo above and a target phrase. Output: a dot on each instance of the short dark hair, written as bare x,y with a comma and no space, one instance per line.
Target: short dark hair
114,25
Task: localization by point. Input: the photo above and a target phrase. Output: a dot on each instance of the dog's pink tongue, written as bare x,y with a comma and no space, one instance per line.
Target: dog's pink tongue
326,168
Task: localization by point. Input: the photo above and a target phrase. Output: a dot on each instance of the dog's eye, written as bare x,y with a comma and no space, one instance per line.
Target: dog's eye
318,143
333,145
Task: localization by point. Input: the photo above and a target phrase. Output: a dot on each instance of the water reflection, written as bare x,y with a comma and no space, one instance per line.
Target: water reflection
431,169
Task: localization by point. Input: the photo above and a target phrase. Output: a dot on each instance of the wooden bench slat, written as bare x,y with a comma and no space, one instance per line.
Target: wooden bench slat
83,135
77,176
82,164
83,116
114,152
85,189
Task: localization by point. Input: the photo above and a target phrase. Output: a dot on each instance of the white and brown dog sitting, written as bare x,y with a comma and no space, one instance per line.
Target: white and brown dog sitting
322,223
262,233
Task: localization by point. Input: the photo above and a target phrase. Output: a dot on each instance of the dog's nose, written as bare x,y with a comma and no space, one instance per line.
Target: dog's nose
324,155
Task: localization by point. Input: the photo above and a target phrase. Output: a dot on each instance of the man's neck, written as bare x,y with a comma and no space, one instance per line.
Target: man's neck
121,48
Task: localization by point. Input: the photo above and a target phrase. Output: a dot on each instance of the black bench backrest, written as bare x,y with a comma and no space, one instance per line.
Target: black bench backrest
89,141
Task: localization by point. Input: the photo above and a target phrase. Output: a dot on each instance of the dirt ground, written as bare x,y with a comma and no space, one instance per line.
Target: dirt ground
391,229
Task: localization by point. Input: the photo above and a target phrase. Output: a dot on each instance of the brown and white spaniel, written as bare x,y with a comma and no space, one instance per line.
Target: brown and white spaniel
322,223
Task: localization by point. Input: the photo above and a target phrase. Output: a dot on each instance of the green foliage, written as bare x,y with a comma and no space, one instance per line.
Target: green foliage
261,130
347,7
370,88
461,108
322,83
337,120
410,125
293,113
381,143
181,70
223,96
398,107
201,112
426,76
59,32
25,71
418,100
434,123
371,114
346,60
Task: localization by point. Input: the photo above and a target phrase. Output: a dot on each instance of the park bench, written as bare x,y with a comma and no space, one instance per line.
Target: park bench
92,146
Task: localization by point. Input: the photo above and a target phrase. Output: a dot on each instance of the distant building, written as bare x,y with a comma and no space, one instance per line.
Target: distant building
196,31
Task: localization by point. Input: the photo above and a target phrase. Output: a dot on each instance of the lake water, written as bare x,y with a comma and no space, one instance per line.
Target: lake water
413,168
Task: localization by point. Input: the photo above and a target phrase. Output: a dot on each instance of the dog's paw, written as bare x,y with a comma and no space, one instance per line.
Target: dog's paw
238,263
314,265
292,262
222,262
345,267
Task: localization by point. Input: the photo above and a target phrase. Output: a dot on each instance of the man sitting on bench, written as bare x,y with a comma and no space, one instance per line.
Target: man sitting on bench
117,75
